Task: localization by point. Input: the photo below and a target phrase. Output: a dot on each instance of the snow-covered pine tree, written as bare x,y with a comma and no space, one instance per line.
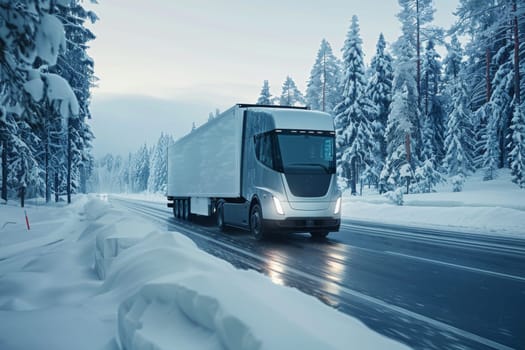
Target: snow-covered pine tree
265,97
501,101
158,176
453,60
290,95
9,137
18,30
491,145
379,91
432,106
398,130
427,177
415,16
77,67
140,169
517,153
452,67
459,140
355,113
406,76
401,136
322,91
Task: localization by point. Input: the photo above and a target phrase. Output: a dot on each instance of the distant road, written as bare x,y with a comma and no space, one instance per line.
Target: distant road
430,289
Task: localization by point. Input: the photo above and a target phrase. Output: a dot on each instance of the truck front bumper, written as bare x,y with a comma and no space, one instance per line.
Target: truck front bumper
291,225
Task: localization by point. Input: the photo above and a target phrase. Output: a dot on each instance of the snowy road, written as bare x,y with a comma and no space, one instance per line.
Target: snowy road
427,288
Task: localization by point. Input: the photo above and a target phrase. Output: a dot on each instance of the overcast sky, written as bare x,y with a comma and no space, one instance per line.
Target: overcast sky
165,64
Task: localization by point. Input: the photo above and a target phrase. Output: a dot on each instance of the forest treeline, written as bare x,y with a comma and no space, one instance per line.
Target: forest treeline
412,118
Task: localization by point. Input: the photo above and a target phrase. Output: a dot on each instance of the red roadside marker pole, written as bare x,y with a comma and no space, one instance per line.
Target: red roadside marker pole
27,221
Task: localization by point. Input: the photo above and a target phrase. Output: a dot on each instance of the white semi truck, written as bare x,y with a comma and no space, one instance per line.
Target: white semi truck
261,168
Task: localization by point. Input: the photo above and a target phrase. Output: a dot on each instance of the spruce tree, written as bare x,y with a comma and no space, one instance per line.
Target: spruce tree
398,130
140,170
517,153
290,95
433,125
322,91
459,140
379,91
354,113
265,98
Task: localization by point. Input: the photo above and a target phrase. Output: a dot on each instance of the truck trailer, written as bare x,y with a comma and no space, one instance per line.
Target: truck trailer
261,168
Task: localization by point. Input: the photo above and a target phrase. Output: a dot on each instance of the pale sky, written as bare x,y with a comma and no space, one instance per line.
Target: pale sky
164,64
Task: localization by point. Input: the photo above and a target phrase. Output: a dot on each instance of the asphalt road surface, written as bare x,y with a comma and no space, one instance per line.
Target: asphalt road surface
427,288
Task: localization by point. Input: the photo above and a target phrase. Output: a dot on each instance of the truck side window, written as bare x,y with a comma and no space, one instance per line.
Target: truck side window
264,149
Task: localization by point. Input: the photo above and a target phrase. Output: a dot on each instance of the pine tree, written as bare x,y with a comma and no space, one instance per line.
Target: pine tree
354,113
491,145
77,68
459,140
405,83
157,181
265,98
398,130
432,106
453,60
140,170
427,176
415,15
517,153
379,90
290,95
322,89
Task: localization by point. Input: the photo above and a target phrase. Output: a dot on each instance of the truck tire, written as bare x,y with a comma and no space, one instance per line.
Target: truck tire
176,208
319,235
220,217
185,209
256,222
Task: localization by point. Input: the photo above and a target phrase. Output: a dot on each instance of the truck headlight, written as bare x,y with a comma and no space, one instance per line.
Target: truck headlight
278,206
337,206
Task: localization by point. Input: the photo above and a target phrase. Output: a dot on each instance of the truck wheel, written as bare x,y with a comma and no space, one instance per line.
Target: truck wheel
176,208
319,235
220,217
256,222
186,209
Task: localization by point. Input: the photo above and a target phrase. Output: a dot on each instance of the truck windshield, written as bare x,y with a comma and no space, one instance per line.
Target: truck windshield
302,152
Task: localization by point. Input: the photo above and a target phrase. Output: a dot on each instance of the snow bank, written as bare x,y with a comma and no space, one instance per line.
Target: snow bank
486,207
177,296
113,233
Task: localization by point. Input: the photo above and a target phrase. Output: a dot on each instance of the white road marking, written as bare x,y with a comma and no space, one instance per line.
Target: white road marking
462,267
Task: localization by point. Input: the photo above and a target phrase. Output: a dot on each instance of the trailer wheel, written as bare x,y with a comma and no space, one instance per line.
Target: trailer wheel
185,209
178,205
220,216
256,222
175,208
319,235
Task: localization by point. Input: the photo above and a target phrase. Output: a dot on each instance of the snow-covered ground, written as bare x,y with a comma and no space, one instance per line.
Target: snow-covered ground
88,276
487,207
